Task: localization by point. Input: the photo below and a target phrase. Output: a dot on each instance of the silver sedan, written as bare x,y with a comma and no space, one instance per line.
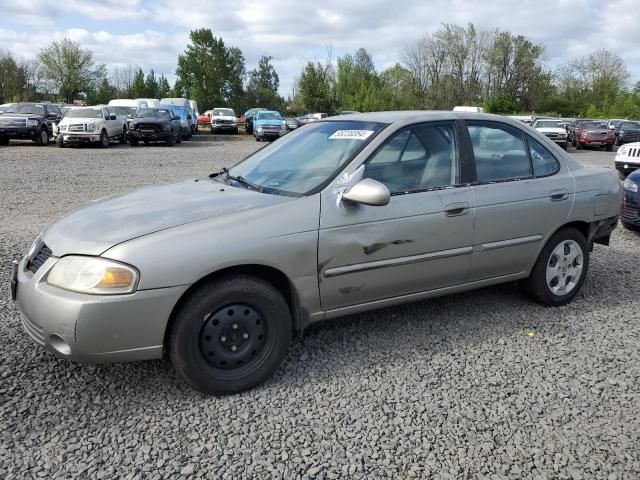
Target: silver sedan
347,214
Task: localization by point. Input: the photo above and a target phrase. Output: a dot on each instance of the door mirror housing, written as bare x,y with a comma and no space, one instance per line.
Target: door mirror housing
175,117
112,117
368,192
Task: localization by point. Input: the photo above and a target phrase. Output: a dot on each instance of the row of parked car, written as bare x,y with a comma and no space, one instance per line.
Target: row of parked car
169,120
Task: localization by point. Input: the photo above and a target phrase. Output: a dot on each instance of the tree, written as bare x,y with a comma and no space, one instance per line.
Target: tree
11,78
101,93
138,86
262,89
151,85
123,81
164,89
315,88
209,72
70,68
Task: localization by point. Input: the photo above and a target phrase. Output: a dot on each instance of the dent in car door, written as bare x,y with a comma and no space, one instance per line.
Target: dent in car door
515,210
420,241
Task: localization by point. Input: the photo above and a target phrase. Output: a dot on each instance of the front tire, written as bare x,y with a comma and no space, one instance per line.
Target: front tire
123,137
43,138
578,145
4,140
609,148
60,141
133,142
230,335
631,226
104,139
560,269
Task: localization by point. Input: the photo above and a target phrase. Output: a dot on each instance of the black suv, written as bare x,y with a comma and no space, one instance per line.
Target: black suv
154,125
29,121
627,132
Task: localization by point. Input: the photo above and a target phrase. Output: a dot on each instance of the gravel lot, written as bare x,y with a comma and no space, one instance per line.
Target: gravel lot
480,385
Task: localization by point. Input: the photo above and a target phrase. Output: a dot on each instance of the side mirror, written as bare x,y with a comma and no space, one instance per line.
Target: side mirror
368,192
175,117
112,117
188,117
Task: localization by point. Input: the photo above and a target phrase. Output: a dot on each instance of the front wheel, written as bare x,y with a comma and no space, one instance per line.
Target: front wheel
230,335
123,137
560,269
60,141
133,142
104,139
42,138
4,140
578,145
631,226
609,148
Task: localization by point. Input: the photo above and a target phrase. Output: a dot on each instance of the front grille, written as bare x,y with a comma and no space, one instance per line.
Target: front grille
634,152
223,122
552,135
9,122
77,127
271,128
39,258
147,126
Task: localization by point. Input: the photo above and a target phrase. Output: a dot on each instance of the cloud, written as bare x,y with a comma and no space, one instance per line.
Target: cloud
152,33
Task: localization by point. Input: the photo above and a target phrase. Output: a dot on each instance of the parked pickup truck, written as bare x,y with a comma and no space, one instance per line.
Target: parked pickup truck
29,121
98,124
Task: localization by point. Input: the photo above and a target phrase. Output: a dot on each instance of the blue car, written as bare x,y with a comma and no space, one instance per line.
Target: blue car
268,125
630,214
182,112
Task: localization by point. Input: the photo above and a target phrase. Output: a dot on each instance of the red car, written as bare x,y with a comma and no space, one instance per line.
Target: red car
594,134
205,118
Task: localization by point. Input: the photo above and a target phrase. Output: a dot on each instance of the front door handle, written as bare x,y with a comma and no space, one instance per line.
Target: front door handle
559,195
456,209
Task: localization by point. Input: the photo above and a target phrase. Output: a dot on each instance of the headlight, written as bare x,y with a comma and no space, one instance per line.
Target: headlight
93,275
630,185
32,123
62,128
621,132
259,128
91,127
622,151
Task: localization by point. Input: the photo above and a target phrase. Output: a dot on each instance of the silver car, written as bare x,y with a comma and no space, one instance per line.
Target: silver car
348,214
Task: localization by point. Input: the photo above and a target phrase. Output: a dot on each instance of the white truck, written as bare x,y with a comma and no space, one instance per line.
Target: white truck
98,124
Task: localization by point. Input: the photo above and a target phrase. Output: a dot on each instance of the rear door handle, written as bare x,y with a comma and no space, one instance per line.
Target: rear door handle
456,209
559,195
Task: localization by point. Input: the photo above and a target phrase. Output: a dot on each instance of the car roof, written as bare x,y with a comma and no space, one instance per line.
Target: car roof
414,116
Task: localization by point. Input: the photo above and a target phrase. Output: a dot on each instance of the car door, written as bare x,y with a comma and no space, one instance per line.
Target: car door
522,194
421,240
111,124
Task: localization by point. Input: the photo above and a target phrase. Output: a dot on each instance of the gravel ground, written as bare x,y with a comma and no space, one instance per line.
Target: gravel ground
483,385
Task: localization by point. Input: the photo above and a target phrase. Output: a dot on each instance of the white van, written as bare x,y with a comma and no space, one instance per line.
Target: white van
194,109
464,108
148,102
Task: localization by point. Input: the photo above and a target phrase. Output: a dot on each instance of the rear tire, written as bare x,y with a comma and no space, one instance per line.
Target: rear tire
560,270
230,335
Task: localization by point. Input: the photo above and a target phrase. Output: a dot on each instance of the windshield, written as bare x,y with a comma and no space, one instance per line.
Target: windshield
27,109
153,112
124,110
84,113
594,125
549,124
628,125
227,112
268,116
306,159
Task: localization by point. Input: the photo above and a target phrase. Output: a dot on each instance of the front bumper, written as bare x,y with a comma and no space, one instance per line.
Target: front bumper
630,208
19,132
224,127
78,138
269,133
93,328
149,136
627,163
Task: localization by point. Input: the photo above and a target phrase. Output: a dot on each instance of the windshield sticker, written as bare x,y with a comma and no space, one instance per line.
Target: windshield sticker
351,135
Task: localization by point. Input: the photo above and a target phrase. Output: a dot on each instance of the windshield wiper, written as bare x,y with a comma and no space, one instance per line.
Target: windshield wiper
240,179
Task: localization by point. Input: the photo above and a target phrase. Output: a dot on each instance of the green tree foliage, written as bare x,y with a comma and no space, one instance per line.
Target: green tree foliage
209,72
262,89
101,93
11,78
70,68
164,89
138,86
151,85
316,87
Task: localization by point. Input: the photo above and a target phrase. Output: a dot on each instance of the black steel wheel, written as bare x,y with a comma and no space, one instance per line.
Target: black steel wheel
230,335
43,138
104,139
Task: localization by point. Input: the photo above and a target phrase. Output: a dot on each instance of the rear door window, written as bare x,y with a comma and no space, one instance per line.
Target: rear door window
500,151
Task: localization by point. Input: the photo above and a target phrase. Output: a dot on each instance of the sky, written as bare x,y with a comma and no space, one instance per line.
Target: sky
152,33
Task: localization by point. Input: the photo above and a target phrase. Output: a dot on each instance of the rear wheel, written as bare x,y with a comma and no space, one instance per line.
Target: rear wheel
560,269
230,335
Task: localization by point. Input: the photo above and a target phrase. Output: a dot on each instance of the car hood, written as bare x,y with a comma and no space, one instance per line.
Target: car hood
18,116
101,224
551,130
67,120
149,120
